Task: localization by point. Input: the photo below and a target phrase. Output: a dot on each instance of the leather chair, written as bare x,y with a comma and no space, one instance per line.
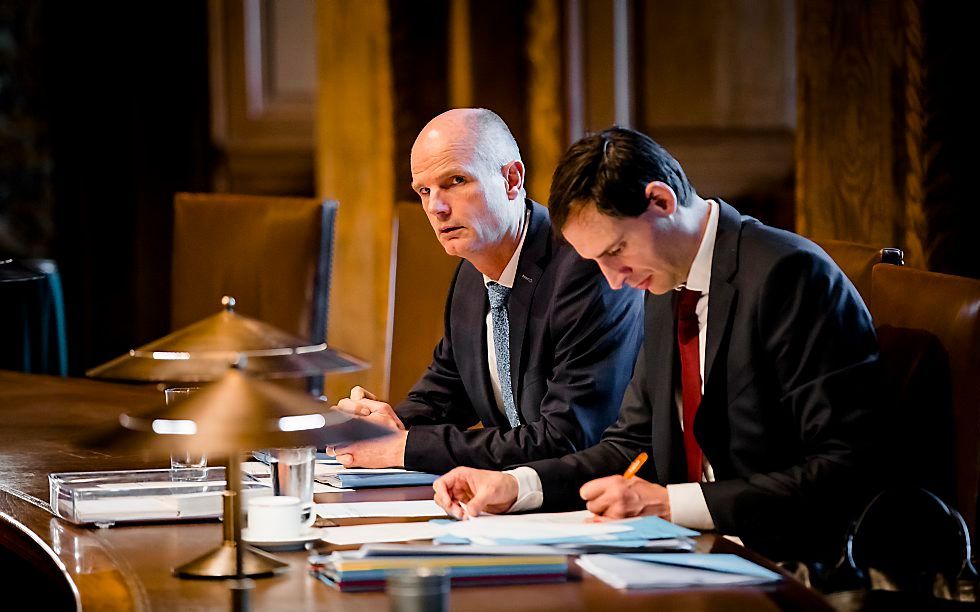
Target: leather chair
929,331
273,254
907,550
856,260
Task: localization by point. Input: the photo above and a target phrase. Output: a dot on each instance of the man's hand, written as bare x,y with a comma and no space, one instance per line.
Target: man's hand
616,497
481,491
363,403
388,451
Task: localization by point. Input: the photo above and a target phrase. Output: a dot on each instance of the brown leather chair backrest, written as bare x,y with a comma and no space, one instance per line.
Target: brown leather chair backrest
856,261
271,253
929,329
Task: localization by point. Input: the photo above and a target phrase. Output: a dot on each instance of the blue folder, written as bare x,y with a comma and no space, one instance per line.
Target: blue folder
389,479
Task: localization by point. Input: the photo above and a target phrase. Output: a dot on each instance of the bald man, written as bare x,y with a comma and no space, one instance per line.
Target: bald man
537,348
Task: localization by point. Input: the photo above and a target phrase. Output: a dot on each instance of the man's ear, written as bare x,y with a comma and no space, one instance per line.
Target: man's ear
661,199
514,175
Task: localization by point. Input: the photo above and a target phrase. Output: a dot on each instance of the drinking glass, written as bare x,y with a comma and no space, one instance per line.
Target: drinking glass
184,464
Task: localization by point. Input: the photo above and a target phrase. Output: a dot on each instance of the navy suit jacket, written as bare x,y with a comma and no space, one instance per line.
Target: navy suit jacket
791,379
573,343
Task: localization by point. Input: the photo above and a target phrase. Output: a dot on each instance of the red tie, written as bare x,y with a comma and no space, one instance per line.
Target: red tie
687,341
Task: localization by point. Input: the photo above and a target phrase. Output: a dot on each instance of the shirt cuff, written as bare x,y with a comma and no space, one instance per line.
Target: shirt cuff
530,494
687,506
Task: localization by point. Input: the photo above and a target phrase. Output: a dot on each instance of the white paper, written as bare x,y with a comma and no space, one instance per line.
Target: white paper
542,525
383,532
380,509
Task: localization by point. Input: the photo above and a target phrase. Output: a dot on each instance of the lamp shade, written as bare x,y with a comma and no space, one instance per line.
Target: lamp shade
204,351
233,414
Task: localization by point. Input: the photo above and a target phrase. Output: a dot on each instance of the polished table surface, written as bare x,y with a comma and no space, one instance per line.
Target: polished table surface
128,567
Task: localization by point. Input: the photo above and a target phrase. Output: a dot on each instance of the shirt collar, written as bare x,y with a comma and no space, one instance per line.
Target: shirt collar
699,278
510,270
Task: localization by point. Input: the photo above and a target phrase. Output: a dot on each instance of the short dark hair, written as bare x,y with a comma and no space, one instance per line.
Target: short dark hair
612,169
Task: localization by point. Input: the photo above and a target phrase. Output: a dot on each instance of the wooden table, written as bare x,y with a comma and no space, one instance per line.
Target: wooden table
128,567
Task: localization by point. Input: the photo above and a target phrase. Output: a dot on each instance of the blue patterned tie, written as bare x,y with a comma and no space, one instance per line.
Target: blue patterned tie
501,347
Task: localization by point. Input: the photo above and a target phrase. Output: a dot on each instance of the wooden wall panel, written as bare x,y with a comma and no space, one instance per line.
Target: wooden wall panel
850,149
355,151
422,278
717,63
884,128
547,135
715,84
263,91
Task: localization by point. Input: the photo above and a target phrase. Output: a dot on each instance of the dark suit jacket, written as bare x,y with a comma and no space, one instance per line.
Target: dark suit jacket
573,342
790,381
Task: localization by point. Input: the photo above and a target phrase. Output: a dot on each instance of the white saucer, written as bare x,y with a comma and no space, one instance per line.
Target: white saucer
307,534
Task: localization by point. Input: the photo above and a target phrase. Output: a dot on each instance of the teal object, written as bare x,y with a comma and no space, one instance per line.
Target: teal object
33,315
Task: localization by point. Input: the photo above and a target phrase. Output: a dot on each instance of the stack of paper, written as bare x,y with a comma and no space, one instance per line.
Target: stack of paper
357,571
562,531
666,570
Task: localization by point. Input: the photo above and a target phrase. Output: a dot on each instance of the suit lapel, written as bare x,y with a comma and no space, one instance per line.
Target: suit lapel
470,338
534,256
721,296
660,325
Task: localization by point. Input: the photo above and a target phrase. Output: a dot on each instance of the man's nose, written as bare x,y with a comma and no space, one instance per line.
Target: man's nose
437,205
614,275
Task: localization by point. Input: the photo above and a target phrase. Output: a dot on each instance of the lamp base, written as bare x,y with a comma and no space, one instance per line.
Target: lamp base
220,563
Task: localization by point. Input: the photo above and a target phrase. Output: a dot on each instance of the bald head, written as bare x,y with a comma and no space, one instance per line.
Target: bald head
468,173
475,131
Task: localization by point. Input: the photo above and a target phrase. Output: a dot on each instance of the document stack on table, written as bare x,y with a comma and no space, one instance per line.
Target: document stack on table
571,531
567,532
366,569
334,476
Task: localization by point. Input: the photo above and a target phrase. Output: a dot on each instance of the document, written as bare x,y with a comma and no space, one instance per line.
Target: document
433,550
671,570
384,532
559,528
538,528
382,509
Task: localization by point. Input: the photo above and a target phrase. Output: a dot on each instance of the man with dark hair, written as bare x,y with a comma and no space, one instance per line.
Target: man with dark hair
753,392
537,347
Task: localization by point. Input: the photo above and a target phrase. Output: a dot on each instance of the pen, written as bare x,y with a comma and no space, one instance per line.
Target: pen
635,466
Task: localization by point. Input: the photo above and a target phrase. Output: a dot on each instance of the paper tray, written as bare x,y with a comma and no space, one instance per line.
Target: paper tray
104,498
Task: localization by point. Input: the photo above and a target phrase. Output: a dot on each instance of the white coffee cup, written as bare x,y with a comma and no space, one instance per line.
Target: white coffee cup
277,517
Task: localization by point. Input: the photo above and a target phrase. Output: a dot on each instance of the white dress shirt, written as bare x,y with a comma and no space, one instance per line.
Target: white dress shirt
507,280
687,504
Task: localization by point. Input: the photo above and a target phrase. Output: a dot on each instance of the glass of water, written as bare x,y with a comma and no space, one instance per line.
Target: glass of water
293,475
183,463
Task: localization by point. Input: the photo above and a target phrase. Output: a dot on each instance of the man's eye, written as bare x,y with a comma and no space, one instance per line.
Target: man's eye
423,191
457,180
616,251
